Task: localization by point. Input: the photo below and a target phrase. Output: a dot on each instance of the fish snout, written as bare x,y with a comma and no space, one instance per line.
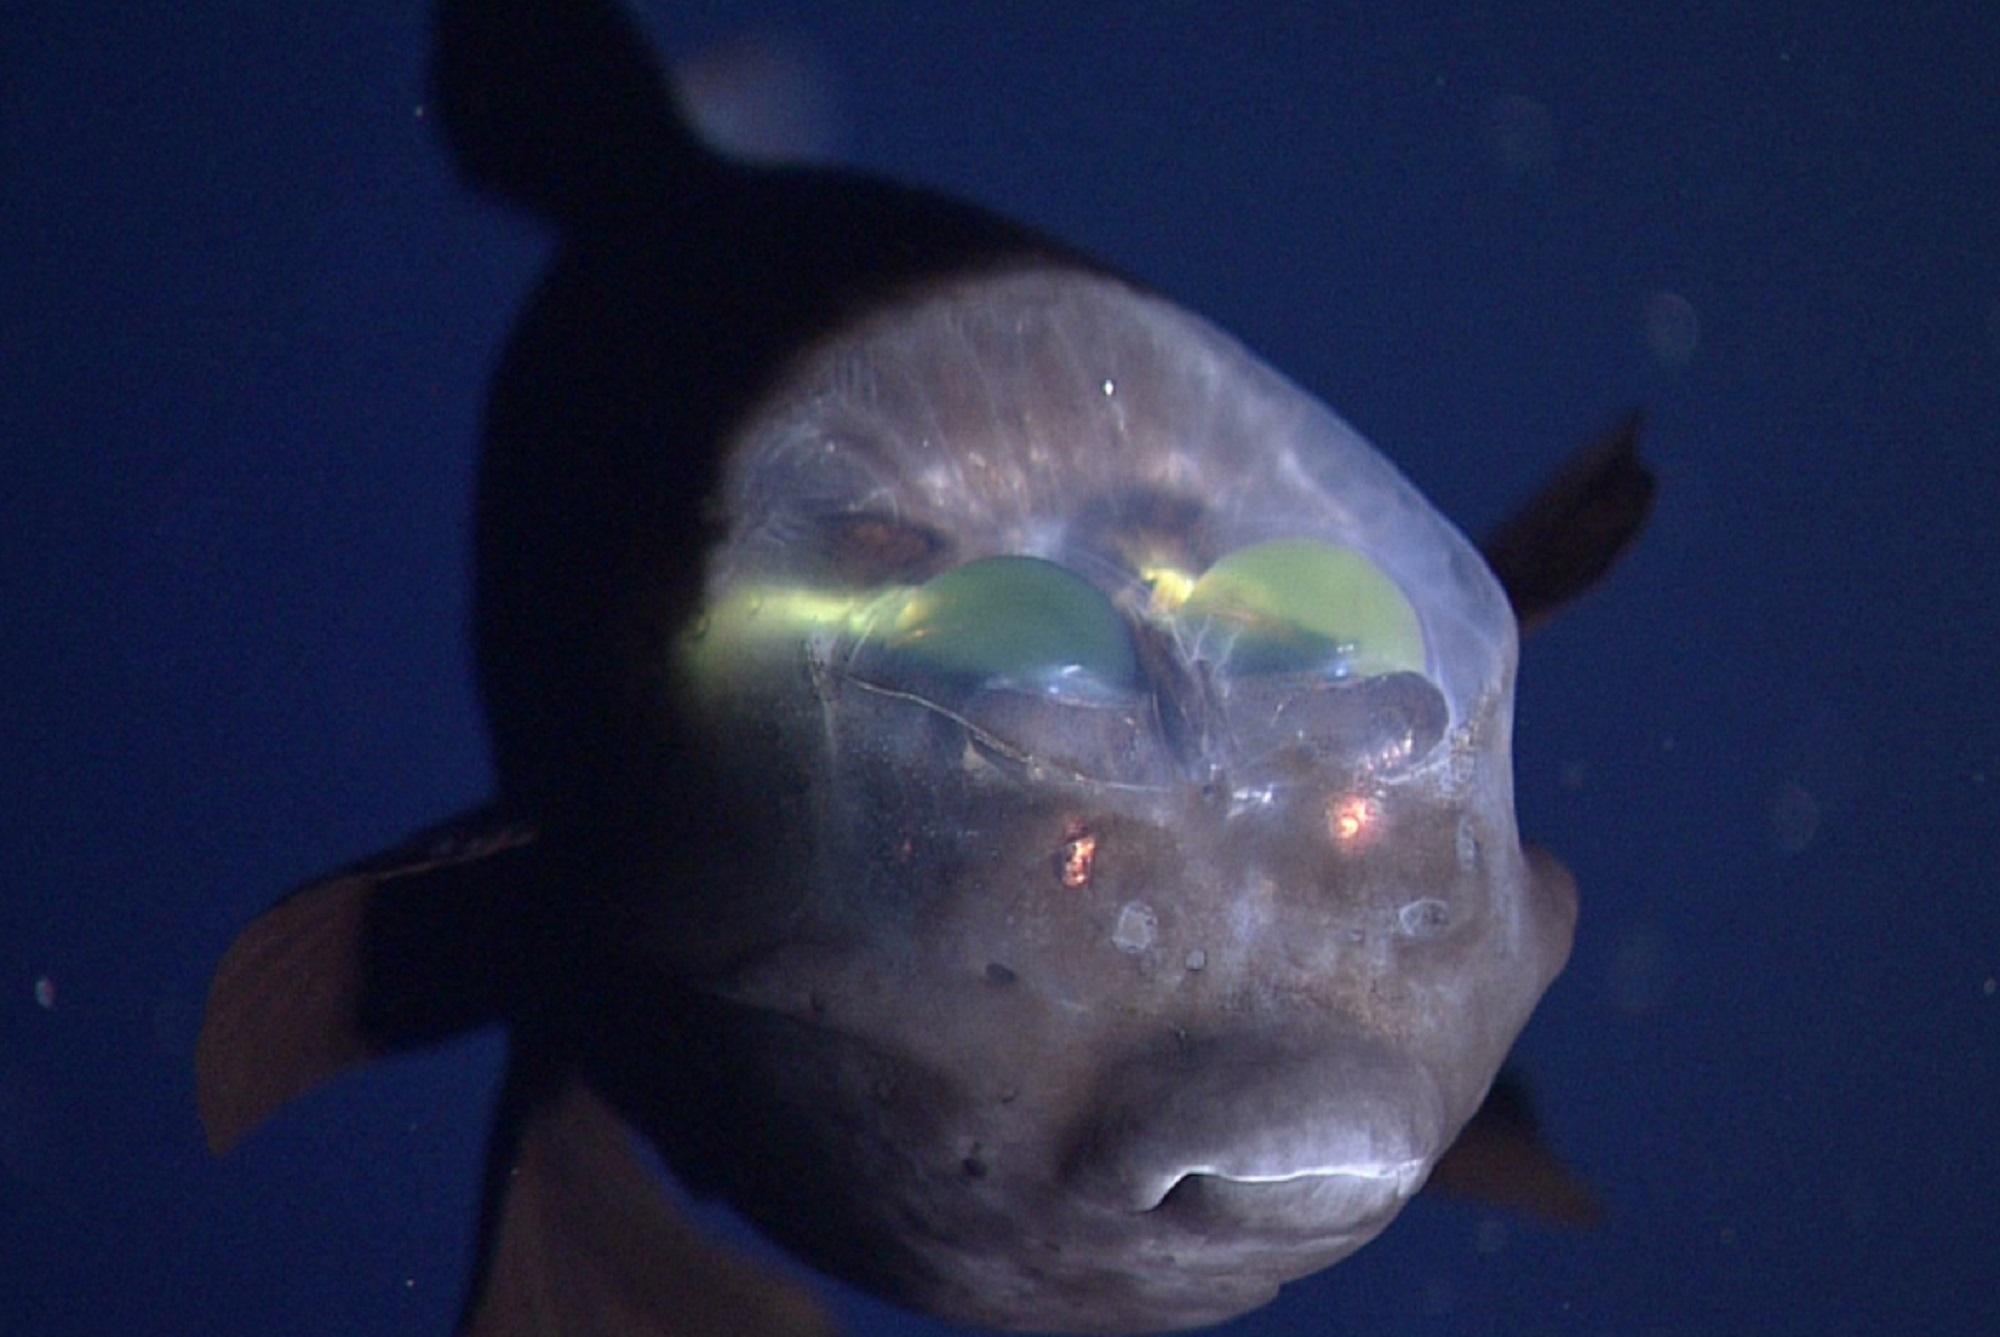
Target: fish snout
1265,1140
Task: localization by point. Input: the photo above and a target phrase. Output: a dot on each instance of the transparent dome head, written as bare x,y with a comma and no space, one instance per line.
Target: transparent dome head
1095,532
1126,748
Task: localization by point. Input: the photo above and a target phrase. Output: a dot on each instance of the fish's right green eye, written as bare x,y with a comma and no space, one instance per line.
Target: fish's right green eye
1013,621
1300,605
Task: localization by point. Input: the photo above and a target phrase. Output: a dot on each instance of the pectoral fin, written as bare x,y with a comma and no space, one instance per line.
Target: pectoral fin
1500,1160
1571,533
393,952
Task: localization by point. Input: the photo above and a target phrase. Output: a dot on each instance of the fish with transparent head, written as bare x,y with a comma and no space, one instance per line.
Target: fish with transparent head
994,782
1038,564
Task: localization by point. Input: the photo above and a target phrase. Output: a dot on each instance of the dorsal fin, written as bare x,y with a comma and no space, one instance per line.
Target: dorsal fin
558,108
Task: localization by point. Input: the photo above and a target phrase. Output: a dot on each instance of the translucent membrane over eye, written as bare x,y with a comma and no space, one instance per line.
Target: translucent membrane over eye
1299,605
1375,725
1015,621
1318,661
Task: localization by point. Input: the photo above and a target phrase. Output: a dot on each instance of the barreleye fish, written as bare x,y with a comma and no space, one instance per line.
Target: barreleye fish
994,782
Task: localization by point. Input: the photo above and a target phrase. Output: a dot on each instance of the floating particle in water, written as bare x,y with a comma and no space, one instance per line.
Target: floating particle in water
1520,137
1671,328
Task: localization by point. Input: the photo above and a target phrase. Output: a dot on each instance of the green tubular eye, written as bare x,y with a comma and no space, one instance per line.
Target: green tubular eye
1299,605
756,629
1020,621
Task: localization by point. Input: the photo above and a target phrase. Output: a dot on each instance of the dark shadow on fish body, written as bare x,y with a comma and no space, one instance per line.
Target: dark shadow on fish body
993,782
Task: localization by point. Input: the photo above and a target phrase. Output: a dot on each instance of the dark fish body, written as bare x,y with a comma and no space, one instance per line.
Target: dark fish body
993,781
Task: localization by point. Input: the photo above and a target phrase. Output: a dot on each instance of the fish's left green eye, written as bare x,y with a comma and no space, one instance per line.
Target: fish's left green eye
1299,605
1018,621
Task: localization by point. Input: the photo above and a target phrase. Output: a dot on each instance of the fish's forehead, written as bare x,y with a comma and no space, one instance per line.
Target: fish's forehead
1041,411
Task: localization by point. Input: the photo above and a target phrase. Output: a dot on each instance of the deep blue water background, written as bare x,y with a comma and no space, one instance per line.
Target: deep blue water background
245,324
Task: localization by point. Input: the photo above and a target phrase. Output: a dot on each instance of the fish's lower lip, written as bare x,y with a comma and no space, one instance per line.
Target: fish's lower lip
1320,1204
1403,1177
1310,1139
1406,1174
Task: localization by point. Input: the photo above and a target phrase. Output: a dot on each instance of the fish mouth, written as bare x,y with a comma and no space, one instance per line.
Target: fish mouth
1264,1140
1326,1205
1401,1178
